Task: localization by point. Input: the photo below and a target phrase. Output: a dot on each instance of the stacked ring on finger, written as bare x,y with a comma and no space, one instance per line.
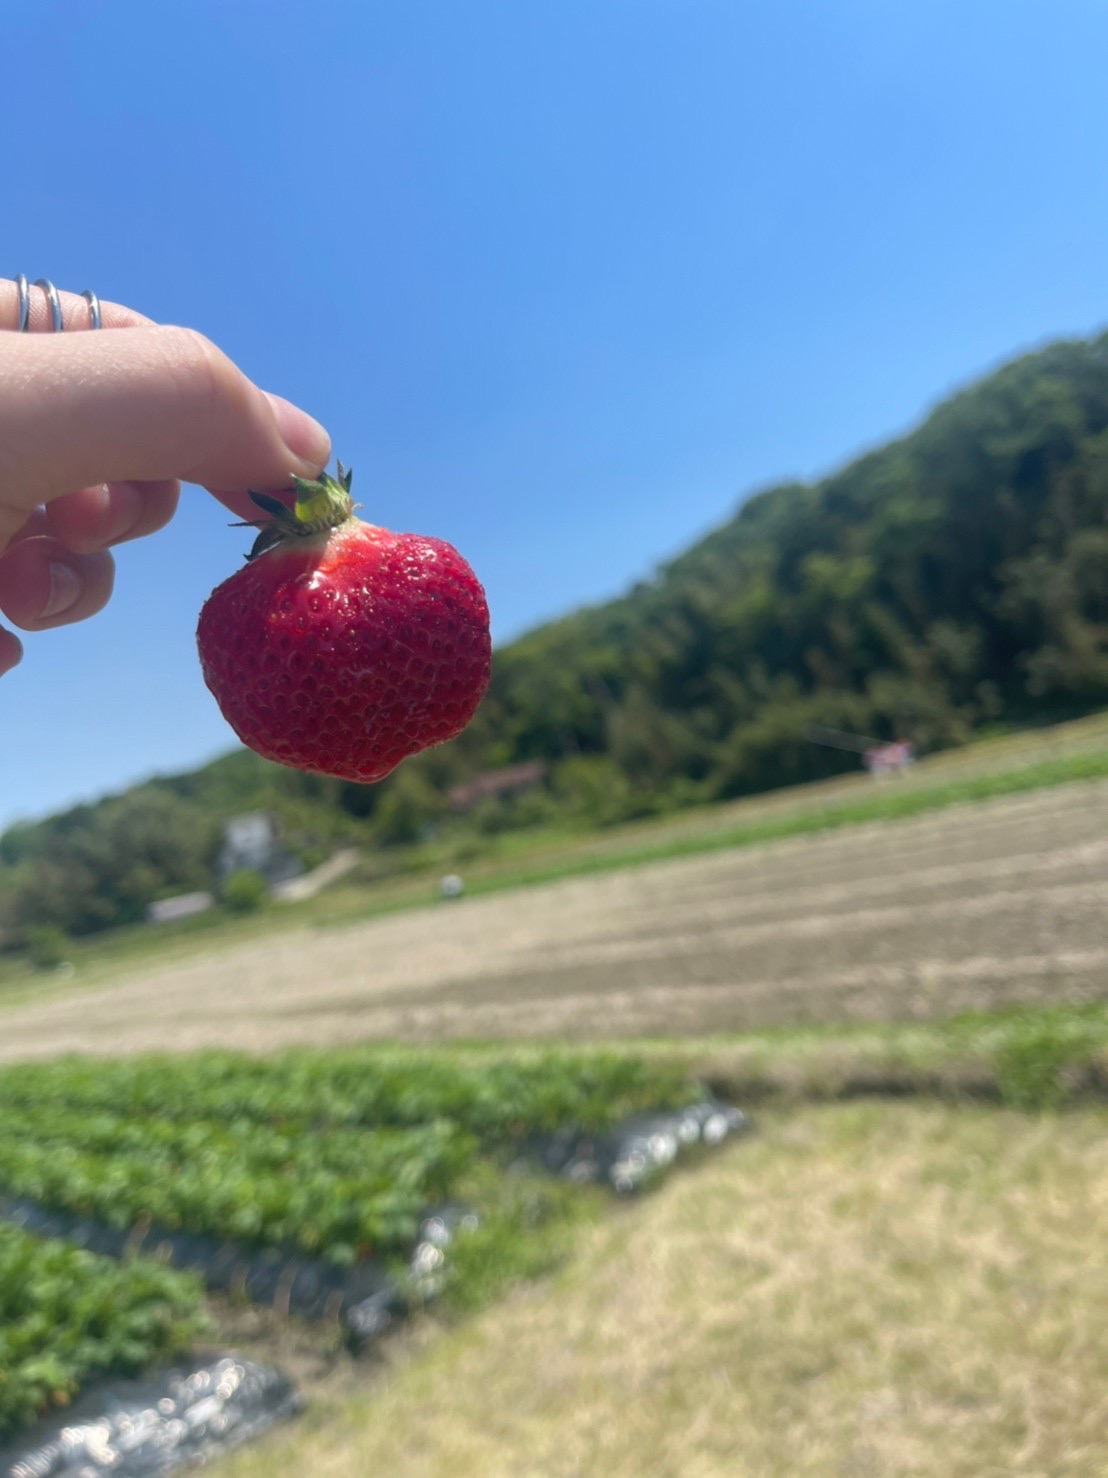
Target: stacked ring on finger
57,323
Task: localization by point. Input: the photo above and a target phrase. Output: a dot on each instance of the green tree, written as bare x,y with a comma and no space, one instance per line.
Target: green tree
243,891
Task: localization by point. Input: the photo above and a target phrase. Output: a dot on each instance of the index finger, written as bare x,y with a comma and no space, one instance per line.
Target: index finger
75,311
76,315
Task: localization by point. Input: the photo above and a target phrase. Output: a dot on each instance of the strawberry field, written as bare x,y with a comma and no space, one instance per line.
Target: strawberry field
336,1158
336,1155
66,1316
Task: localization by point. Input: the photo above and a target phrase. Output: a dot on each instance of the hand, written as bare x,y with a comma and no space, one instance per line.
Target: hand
98,429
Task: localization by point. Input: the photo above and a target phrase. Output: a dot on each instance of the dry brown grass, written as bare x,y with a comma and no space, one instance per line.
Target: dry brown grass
868,1289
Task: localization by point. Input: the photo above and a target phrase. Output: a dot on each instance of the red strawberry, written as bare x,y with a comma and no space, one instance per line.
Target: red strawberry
341,648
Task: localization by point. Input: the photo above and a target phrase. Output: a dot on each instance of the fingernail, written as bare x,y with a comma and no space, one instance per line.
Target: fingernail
66,588
127,506
304,437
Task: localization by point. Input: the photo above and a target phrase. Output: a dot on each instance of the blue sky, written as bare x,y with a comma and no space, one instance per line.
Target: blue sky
564,278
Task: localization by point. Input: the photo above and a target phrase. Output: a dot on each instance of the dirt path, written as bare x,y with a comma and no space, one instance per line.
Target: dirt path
977,906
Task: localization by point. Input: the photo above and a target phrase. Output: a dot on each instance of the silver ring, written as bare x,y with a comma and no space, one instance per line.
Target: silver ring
57,322
24,292
93,307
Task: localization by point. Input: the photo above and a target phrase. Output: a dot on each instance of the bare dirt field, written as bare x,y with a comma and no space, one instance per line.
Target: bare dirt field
997,903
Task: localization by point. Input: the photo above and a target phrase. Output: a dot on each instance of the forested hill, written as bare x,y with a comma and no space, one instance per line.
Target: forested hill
955,577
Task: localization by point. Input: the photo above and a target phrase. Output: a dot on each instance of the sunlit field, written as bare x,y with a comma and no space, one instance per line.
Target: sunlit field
886,1288
897,1272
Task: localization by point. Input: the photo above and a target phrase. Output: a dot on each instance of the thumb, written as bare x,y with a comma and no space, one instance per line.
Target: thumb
141,405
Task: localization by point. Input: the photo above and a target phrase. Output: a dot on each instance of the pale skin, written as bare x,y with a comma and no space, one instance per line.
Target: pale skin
97,432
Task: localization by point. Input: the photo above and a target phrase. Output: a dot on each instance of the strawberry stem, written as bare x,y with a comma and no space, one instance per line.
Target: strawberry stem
321,503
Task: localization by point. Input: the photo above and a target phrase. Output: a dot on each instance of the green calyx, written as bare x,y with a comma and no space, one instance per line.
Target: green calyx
321,504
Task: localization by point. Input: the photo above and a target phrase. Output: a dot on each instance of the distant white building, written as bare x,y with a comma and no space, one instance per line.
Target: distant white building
254,841
181,907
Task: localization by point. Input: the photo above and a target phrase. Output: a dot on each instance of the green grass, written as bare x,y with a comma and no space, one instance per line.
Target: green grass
1035,1058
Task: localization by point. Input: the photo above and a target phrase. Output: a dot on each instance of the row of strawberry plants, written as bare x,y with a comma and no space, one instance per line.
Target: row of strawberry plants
342,1195
497,1100
374,1155
67,1316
